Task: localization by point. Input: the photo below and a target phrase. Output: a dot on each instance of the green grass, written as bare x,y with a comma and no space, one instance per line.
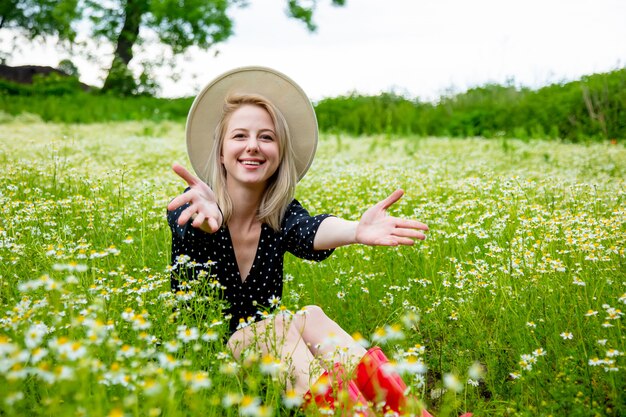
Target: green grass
525,250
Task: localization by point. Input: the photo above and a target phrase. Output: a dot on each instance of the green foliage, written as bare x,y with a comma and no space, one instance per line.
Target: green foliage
200,23
68,67
592,108
83,107
55,85
40,18
304,12
56,98
52,84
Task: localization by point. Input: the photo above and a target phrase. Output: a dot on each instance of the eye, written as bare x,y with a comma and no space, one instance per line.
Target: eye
239,136
267,137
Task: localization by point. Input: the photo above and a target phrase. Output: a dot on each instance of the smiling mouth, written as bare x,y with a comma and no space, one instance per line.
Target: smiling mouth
252,163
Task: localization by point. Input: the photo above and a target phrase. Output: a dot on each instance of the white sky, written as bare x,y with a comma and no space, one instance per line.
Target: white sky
422,48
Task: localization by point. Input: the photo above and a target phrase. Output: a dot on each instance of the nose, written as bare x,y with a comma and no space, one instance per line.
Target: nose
252,144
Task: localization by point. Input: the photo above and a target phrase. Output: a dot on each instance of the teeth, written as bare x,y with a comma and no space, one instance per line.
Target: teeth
251,163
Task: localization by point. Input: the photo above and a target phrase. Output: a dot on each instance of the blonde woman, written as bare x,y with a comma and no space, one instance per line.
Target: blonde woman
251,135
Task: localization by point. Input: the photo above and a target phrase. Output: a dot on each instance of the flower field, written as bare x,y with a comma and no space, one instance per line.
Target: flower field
513,306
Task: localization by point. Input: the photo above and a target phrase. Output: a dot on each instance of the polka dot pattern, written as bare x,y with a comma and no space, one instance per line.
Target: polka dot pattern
265,280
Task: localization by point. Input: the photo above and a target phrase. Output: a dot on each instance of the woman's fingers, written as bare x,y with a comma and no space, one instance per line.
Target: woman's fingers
198,220
184,174
199,215
396,240
213,225
411,224
180,200
405,241
393,197
409,233
408,230
186,214
200,198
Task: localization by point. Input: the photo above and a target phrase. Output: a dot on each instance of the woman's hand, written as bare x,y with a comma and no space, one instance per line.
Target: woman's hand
377,228
203,208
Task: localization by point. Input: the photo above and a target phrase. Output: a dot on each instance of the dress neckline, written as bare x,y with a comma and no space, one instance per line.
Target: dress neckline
243,280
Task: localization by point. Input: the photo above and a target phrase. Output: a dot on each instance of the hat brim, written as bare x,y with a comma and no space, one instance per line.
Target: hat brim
284,93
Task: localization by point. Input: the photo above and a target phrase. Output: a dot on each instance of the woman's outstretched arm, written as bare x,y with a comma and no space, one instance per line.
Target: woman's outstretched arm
376,228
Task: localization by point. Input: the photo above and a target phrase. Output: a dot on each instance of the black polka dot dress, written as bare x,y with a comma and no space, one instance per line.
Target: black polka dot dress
214,254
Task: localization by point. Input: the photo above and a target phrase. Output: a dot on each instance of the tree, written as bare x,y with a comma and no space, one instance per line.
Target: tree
178,24
40,18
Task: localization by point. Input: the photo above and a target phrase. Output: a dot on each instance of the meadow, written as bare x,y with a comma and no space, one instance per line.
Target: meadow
513,306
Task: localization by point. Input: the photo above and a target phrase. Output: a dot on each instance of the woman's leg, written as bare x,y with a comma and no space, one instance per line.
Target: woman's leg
326,339
280,337
296,339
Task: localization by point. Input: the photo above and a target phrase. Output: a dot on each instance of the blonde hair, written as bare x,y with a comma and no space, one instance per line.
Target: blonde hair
281,186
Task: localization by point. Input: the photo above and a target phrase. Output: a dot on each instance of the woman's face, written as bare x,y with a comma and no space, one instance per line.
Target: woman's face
250,150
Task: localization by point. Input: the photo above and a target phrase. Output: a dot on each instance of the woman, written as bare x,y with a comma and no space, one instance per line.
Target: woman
240,214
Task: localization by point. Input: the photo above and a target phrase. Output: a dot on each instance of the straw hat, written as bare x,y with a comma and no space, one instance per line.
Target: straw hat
284,93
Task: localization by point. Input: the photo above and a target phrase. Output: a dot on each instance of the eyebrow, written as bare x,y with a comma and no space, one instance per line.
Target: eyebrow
247,130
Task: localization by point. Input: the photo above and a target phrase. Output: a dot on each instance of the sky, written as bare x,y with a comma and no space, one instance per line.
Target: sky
419,48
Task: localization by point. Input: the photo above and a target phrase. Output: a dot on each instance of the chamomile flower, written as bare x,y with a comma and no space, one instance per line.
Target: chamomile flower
274,301
611,353
35,334
476,371
37,354
167,361
67,349
215,323
13,398
172,346
271,366
187,334
249,406
595,361
452,382
410,319
358,338
151,387
388,333
126,351
291,399
416,350
229,368
231,399
411,365
472,382
210,336
195,380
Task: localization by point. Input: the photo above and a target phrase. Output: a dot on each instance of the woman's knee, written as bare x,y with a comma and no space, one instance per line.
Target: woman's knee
237,342
314,314
255,335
